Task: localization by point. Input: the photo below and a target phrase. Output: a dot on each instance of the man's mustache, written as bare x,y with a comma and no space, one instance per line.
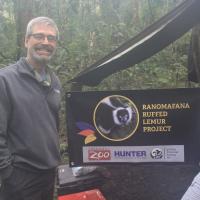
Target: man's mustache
46,47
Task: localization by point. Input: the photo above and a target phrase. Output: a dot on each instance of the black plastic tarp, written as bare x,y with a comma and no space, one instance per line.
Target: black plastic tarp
144,45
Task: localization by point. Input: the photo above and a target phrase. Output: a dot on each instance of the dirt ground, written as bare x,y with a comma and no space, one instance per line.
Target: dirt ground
160,182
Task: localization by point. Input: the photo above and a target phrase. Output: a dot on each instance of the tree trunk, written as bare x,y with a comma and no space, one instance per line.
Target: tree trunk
23,12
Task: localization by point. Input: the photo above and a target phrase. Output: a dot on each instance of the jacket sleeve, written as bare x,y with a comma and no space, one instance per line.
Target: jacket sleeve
5,109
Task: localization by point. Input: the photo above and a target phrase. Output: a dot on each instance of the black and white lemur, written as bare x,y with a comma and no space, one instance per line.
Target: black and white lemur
113,115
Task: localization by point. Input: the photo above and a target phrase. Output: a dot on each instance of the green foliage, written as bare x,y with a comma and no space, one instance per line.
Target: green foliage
7,33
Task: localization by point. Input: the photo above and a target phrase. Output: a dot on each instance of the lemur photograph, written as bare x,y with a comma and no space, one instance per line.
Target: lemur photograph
116,117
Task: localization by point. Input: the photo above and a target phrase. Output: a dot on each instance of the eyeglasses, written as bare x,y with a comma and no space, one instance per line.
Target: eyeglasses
41,37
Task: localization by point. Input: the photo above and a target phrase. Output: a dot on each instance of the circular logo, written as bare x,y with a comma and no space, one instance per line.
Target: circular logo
157,153
116,118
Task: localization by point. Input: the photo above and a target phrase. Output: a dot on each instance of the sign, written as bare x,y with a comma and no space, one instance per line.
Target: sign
141,126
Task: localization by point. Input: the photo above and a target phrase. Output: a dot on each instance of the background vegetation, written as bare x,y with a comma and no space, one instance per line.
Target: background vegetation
89,30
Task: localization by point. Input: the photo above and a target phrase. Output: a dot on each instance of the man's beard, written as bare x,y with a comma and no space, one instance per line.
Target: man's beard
42,58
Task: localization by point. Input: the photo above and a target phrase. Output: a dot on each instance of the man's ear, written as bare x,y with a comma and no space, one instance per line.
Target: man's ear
25,41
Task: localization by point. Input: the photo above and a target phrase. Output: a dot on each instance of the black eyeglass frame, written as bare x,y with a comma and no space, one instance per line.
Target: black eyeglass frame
41,37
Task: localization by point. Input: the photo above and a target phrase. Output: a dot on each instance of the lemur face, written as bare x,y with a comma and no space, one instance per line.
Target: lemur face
122,116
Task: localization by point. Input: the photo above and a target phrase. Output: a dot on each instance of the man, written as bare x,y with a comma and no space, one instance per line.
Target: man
29,104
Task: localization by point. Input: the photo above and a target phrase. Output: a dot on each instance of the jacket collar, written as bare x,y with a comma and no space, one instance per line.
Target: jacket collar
24,67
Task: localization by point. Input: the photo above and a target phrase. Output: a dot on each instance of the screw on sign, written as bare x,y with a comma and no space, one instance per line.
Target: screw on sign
86,195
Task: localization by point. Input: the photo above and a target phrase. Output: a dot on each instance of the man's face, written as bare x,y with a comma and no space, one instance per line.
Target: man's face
41,44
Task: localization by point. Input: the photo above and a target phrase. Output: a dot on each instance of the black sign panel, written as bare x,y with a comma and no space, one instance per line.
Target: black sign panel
141,126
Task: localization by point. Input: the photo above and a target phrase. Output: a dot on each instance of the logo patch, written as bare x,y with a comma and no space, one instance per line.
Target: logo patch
157,153
99,154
